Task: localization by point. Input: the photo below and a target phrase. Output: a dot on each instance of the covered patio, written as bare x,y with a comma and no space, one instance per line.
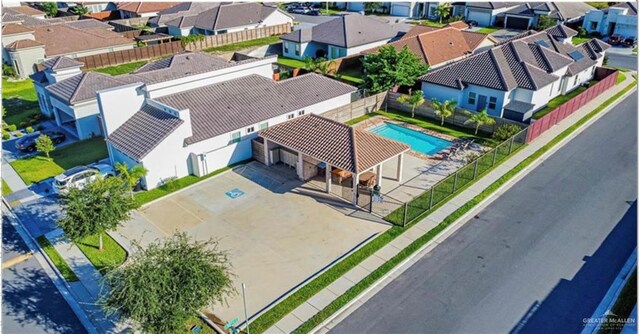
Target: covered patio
315,145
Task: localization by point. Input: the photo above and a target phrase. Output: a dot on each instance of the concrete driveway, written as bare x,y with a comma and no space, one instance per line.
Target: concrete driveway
279,232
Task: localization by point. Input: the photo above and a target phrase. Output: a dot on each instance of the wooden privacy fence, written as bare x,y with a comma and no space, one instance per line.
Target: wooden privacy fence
131,55
212,41
356,108
459,117
607,79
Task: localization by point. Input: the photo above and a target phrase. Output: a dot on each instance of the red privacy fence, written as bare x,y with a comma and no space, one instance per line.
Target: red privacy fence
607,79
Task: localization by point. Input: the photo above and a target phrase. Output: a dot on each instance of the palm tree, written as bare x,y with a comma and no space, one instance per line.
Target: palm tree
413,100
443,10
480,118
443,109
130,176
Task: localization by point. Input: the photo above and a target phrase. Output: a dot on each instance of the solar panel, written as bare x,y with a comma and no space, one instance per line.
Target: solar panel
576,55
542,43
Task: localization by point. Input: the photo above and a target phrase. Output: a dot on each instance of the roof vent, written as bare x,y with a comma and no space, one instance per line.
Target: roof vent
49,29
188,57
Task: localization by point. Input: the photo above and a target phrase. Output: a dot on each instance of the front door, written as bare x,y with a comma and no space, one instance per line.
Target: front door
482,102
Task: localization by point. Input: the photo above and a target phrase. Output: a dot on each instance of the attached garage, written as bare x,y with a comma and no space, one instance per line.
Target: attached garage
400,9
516,22
483,18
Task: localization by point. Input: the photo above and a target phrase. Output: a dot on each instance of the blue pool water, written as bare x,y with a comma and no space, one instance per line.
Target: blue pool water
419,142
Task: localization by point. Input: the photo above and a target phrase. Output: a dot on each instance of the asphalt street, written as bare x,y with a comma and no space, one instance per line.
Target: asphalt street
30,301
622,60
537,260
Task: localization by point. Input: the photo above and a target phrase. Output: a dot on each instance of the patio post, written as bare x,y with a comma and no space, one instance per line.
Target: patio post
300,167
327,177
266,152
379,175
399,171
354,192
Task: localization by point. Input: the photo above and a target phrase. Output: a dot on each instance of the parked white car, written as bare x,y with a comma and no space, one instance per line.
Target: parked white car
79,177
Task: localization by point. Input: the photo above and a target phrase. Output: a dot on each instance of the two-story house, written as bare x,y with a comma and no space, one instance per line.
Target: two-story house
620,19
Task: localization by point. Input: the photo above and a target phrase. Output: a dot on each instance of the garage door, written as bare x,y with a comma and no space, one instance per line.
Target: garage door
483,18
397,10
517,23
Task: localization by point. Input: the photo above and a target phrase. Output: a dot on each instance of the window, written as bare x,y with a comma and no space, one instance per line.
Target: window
264,125
492,102
286,47
235,137
291,116
297,49
301,112
594,25
575,81
472,98
250,129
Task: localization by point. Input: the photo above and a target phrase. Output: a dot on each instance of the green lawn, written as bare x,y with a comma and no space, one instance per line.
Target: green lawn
579,40
5,188
111,256
428,23
330,11
153,194
196,321
635,50
354,75
21,102
620,78
289,62
120,69
243,45
488,30
598,5
38,167
57,260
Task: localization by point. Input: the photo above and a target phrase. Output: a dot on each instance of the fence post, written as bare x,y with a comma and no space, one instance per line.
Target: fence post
431,199
455,182
511,143
475,169
404,220
495,154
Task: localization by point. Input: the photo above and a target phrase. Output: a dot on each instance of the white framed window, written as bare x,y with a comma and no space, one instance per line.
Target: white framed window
291,116
235,137
472,98
492,102
250,129
575,81
264,125
301,112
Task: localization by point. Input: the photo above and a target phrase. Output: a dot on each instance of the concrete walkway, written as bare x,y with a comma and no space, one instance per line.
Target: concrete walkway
323,298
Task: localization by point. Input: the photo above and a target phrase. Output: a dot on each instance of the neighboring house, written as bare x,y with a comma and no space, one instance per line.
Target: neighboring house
414,9
225,18
526,15
69,95
438,47
208,126
519,77
619,19
24,10
95,7
343,36
486,13
142,9
24,49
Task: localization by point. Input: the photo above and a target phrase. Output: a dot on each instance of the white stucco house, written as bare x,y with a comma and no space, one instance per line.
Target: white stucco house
620,19
200,126
526,15
485,13
215,18
517,78
343,36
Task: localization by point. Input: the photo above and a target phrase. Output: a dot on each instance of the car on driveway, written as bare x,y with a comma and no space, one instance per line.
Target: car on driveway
629,42
615,39
28,143
80,176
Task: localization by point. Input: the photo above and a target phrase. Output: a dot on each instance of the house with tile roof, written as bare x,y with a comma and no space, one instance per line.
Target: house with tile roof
201,128
69,95
142,8
526,15
343,36
213,18
619,19
27,41
518,77
440,46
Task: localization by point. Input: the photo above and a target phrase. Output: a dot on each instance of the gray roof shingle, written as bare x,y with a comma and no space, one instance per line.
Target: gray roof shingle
62,62
145,130
215,16
230,105
83,87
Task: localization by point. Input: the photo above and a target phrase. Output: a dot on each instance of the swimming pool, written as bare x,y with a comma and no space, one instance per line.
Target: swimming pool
419,142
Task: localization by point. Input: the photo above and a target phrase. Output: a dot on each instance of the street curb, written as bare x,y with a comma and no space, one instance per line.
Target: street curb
60,283
460,222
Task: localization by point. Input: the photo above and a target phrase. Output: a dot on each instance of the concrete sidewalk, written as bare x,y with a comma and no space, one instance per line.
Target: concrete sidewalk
323,298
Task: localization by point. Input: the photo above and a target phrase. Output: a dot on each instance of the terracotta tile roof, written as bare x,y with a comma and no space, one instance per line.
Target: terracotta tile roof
437,46
145,7
417,30
458,25
335,143
23,44
12,28
26,10
62,39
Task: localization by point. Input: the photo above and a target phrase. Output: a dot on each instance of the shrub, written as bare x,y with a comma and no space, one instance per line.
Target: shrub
19,134
582,32
12,127
505,132
29,129
5,135
8,70
170,184
39,127
23,125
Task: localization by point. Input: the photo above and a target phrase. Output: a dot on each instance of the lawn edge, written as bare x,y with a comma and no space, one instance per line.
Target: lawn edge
62,266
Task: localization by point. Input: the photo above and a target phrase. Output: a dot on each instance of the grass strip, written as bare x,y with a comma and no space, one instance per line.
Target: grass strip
418,243
622,308
112,254
243,45
5,188
177,184
57,260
